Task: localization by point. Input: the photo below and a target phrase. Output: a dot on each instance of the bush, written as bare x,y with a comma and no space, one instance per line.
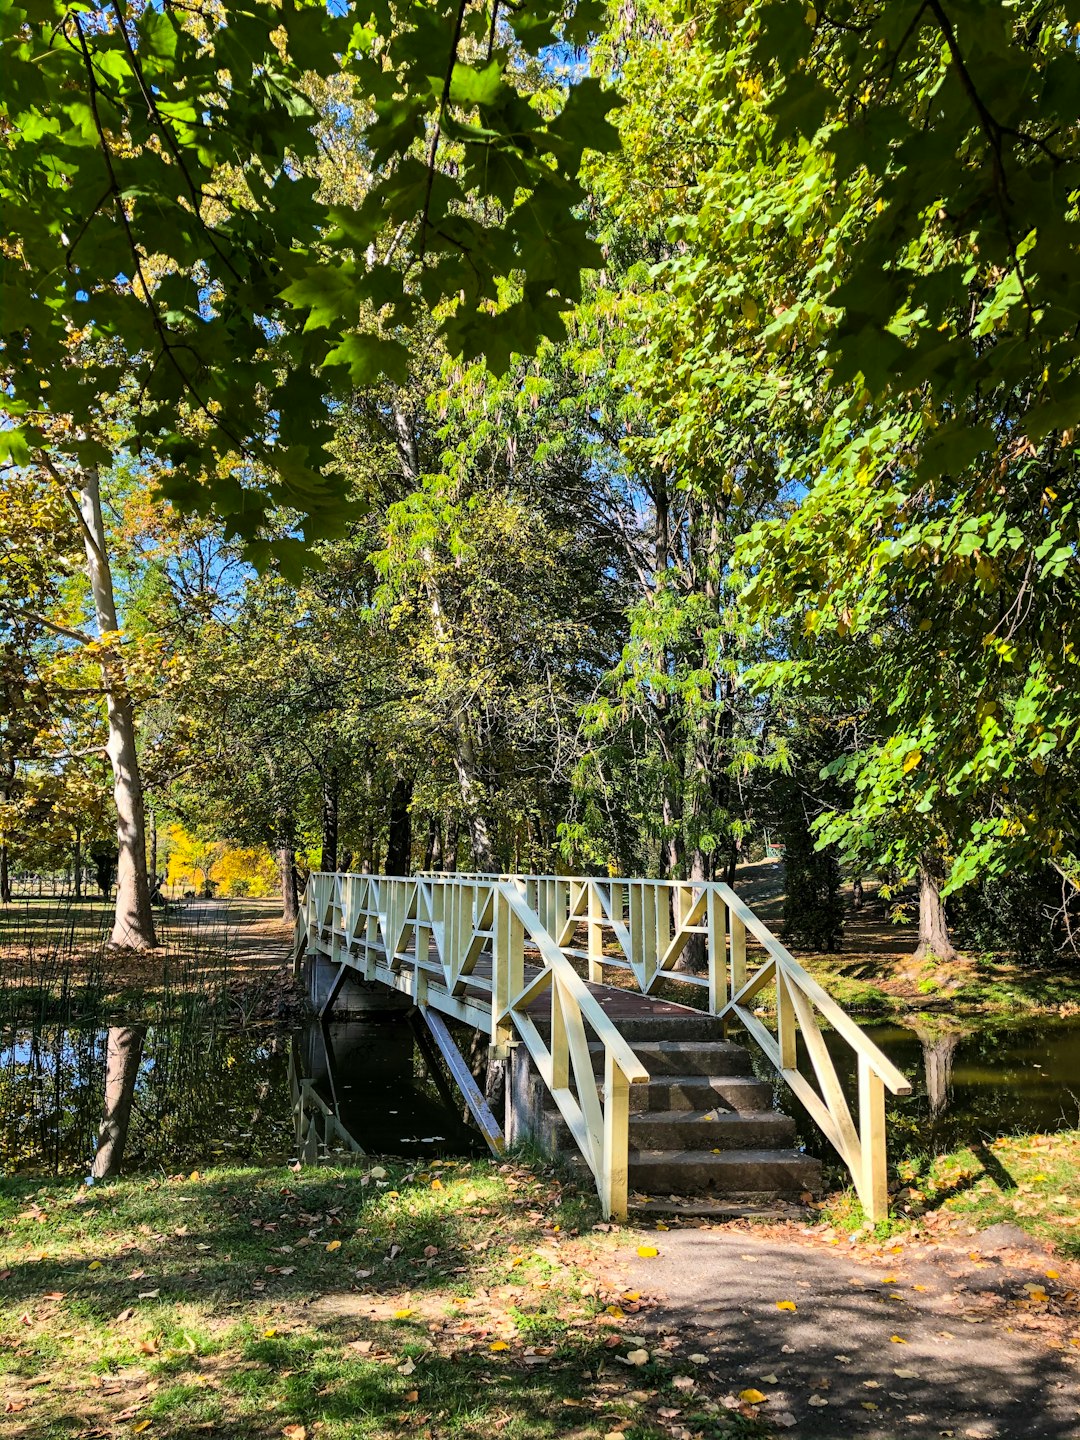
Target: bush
1022,915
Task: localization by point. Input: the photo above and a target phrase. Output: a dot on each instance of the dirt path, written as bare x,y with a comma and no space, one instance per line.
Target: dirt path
903,1340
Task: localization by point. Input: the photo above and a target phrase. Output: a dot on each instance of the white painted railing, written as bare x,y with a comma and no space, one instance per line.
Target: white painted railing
457,943
426,935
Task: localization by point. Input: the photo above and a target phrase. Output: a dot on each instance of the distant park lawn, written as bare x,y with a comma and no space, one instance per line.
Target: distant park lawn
54,962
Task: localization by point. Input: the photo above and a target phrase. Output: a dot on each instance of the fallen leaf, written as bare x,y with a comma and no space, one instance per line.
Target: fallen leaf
770,1379
818,1400
295,1432
1052,1275
637,1357
683,1382
498,1345
786,1305
141,1426
699,1359
407,1367
615,1435
362,1346
411,1396
907,1374
334,1245
402,1314
897,1339
269,1334
752,1397
647,1252
94,1265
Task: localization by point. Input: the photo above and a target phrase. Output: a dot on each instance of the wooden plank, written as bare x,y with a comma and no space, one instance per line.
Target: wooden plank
478,1107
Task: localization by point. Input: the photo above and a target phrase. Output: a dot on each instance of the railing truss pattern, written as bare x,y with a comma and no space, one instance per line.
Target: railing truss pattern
511,954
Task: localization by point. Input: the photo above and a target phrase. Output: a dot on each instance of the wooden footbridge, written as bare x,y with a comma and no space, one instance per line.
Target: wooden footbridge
653,1092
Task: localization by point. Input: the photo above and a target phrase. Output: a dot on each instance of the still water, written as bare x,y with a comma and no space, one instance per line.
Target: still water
200,1094
190,1094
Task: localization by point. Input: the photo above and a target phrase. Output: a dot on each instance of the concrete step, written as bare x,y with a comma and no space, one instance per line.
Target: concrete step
754,1173
677,1023
680,1093
709,1130
684,1056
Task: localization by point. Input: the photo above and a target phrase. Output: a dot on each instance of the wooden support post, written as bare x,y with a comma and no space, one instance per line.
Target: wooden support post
737,936
507,972
560,1046
596,936
874,1187
785,1023
715,911
615,1182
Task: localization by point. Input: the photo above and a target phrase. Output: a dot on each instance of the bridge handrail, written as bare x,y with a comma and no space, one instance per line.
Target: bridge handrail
403,909
621,905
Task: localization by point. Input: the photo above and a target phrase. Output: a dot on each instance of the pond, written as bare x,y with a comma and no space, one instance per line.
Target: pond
175,1097
971,1081
190,1093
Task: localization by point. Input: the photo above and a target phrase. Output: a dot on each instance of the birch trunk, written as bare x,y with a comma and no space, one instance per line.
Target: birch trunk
133,921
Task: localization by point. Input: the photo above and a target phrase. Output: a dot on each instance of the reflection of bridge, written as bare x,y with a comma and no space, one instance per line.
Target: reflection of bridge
523,959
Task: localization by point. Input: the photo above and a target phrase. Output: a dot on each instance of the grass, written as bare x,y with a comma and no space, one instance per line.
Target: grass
356,1302
1028,1181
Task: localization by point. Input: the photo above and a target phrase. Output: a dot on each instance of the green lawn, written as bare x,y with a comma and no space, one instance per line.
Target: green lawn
452,1301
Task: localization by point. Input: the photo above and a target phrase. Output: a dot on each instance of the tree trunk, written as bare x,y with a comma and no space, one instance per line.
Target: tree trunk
429,843
399,829
933,925
123,1057
153,853
290,898
78,862
329,860
857,893
133,920
5,875
483,851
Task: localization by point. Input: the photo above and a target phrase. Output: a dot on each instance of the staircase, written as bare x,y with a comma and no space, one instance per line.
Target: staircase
703,1126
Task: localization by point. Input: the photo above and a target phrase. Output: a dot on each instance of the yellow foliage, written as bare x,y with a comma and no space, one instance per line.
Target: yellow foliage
231,870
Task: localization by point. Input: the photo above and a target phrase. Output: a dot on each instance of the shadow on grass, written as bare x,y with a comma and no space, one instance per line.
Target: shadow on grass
271,1235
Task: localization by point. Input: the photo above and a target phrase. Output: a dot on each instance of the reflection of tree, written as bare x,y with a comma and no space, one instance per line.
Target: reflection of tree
123,1057
939,1049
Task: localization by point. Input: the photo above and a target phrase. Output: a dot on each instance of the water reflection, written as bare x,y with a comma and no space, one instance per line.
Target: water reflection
95,1102
969,1082
170,1098
372,1086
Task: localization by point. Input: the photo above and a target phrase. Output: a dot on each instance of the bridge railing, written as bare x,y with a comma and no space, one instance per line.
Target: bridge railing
458,943
650,928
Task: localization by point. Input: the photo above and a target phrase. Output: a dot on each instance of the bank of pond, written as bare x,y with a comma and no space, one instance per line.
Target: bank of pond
93,1101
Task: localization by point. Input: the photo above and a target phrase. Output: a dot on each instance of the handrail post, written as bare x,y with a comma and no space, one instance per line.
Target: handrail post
596,935
874,1187
615,1184
715,911
507,970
